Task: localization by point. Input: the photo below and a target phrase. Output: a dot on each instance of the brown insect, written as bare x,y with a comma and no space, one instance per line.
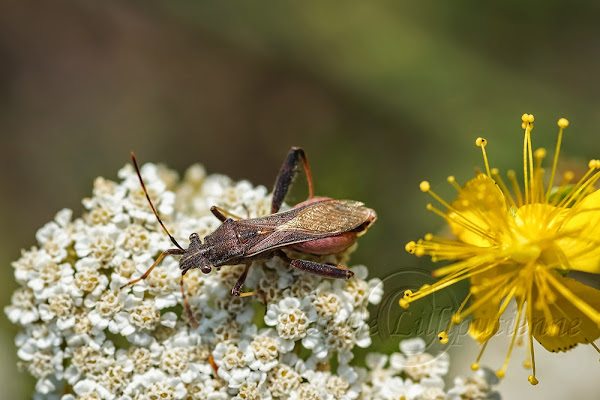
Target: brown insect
319,225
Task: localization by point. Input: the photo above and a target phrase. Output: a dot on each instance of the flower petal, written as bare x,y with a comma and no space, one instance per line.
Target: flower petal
485,321
582,249
481,204
574,325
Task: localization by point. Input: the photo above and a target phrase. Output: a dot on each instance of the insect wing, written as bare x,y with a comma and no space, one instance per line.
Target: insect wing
329,217
315,221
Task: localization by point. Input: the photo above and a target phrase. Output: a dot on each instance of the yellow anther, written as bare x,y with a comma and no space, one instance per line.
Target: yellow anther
532,380
480,142
475,366
419,252
456,319
429,206
451,179
443,337
403,303
593,164
530,118
563,123
569,175
525,117
527,364
410,247
540,153
494,171
408,293
424,186
428,237
500,373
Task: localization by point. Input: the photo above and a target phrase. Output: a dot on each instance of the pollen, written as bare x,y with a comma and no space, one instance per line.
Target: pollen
516,241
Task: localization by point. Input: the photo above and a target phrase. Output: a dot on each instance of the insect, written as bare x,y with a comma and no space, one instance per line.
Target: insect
318,225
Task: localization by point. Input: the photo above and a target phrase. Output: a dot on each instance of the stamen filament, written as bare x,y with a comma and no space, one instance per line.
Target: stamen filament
512,177
584,307
496,176
512,344
531,175
562,123
475,365
576,187
452,180
467,224
481,142
526,185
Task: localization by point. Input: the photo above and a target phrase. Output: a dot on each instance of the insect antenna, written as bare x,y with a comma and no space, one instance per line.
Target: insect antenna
137,169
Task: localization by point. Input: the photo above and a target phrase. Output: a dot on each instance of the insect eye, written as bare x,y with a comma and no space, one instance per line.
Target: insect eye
194,236
206,269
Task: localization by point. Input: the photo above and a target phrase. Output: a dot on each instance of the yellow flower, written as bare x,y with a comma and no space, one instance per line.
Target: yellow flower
521,245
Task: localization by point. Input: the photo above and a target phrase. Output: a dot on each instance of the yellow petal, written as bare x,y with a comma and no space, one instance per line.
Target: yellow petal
582,248
480,203
485,321
573,325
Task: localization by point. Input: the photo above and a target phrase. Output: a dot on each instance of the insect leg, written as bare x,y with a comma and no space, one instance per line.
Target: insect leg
237,288
158,260
286,175
327,270
187,306
222,214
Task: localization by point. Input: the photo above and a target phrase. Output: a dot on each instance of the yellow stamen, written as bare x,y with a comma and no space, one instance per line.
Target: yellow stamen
595,347
529,151
578,186
496,176
443,337
514,183
529,316
481,142
468,224
452,180
475,365
562,123
456,317
584,307
502,371
527,126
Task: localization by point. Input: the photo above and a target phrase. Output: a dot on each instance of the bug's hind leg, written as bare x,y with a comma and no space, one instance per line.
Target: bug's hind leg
222,214
328,270
286,176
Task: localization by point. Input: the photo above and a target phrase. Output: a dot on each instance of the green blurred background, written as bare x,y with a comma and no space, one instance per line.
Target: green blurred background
380,94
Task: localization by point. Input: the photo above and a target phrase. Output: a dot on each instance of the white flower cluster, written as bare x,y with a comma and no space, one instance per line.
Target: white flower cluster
416,375
82,337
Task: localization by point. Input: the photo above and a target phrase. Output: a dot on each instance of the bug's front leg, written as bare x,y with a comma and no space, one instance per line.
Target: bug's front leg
237,288
286,176
334,271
